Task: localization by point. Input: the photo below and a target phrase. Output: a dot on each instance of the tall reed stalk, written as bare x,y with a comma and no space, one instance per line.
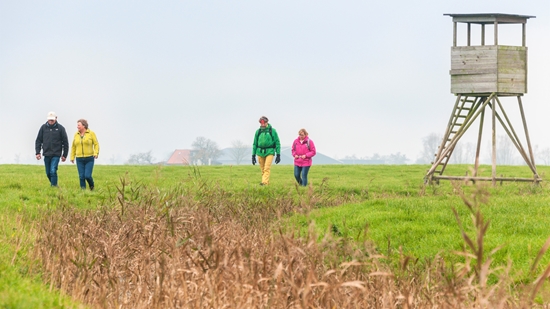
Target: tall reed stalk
210,248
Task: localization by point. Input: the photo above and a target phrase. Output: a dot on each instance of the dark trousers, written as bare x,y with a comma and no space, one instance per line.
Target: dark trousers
300,173
51,164
85,168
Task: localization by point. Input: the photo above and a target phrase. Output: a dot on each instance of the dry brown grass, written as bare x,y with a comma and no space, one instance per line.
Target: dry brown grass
213,249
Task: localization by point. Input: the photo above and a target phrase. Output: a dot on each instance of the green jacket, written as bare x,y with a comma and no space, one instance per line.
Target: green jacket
265,143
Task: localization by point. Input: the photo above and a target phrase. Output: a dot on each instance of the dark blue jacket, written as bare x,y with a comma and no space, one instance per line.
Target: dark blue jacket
53,141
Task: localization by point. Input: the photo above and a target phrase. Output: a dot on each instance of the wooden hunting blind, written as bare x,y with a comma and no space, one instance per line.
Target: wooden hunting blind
480,76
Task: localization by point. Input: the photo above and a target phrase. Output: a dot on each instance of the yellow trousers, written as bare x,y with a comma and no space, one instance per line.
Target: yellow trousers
265,166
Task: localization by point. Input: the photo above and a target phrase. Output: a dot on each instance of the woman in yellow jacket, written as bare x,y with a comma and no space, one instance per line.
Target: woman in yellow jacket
86,149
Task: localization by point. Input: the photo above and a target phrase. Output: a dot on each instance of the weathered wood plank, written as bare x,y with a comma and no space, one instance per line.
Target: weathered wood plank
534,179
473,71
487,69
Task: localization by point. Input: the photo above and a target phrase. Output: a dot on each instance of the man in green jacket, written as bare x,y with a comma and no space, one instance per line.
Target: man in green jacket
266,145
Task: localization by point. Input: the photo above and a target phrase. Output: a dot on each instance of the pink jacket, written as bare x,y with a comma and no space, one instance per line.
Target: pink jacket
300,148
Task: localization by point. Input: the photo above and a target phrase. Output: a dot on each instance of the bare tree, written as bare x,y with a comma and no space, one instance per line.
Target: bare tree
204,151
469,151
352,157
377,156
463,153
112,159
17,158
543,156
142,158
239,151
396,158
430,145
505,150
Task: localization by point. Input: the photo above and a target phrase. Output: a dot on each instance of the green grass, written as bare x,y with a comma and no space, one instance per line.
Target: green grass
400,217
388,205
20,287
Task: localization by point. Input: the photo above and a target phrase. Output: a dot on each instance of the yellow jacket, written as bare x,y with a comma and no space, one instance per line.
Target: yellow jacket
85,146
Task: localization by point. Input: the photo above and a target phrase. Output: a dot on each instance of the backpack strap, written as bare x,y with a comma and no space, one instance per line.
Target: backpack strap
256,137
307,143
270,134
272,140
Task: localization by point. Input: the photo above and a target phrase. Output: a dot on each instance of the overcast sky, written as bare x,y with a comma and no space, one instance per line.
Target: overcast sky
363,77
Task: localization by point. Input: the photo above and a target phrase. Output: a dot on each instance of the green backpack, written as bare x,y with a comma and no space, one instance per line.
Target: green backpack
258,134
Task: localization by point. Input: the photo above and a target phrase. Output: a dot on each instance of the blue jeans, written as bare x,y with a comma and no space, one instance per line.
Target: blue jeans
85,167
51,169
300,173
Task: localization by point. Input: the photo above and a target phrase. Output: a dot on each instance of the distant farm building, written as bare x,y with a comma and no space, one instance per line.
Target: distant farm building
180,157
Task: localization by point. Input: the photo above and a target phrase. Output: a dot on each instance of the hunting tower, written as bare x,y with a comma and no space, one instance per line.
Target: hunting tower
482,75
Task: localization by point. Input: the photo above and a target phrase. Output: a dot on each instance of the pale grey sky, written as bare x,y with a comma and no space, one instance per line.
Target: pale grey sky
362,77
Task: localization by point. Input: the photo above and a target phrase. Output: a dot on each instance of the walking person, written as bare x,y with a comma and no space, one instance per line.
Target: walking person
303,149
52,140
266,145
85,148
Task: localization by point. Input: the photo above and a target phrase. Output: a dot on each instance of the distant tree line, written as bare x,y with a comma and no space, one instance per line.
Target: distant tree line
205,152
394,158
465,152
143,158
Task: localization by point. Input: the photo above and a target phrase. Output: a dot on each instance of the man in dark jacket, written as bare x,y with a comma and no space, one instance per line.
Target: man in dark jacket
52,140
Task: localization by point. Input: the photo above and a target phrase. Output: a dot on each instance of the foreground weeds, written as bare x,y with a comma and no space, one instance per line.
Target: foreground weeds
208,248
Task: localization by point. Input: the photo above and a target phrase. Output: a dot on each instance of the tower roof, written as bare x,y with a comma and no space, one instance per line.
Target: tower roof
490,18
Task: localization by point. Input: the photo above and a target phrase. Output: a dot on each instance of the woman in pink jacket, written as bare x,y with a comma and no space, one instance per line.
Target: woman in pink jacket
303,150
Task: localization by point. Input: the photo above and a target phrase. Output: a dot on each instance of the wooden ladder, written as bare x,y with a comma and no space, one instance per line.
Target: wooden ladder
460,118
465,112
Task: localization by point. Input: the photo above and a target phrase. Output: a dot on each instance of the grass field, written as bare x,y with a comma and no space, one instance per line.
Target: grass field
378,216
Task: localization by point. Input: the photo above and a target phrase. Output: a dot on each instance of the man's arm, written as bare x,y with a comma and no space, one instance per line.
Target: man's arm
38,143
65,143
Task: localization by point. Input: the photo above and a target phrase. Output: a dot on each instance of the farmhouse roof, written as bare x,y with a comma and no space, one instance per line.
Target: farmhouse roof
180,156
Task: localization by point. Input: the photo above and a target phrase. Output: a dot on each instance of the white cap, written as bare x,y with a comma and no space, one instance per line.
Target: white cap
52,116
